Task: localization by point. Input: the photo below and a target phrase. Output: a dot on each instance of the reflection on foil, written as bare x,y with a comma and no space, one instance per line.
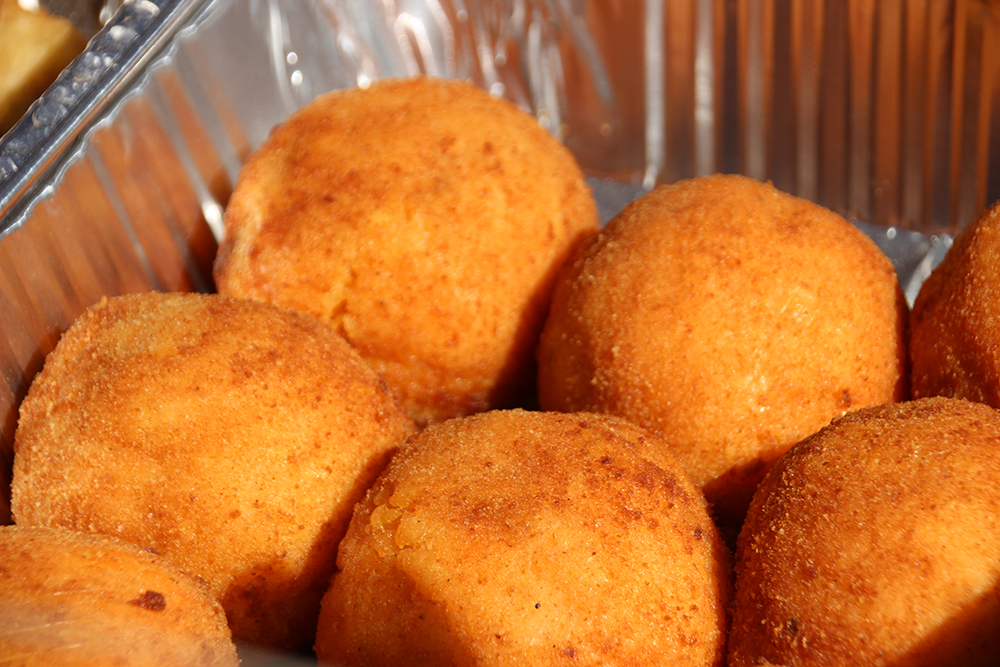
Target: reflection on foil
116,180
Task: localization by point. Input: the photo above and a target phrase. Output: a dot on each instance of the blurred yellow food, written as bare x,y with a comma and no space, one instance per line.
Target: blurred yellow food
34,47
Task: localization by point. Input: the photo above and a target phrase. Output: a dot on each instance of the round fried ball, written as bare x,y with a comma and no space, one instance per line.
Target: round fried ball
231,436
422,218
76,599
876,542
731,318
955,323
526,538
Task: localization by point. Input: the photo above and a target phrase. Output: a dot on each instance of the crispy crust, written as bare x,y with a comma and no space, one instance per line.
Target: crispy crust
69,598
731,318
424,220
230,436
513,538
955,323
876,541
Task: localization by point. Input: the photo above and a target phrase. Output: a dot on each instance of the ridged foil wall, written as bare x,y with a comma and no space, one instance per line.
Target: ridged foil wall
886,111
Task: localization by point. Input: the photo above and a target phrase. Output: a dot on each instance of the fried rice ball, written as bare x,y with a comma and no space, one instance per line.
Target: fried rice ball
876,542
732,319
422,218
955,323
77,599
527,538
230,436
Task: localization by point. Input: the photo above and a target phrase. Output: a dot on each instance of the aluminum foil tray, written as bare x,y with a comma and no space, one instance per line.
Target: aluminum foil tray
116,180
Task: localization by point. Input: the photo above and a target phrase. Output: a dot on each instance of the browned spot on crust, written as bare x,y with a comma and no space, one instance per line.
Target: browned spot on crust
151,600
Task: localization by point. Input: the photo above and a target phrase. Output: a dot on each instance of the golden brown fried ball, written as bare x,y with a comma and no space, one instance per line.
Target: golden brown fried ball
877,542
526,538
422,218
729,317
955,323
83,600
230,436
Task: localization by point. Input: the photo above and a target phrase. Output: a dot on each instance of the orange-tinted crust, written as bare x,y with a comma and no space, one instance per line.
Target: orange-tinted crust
83,600
731,318
876,542
955,323
526,538
423,219
230,436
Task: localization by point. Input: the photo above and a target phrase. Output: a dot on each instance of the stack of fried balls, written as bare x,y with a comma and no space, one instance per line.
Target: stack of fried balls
231,437
437,414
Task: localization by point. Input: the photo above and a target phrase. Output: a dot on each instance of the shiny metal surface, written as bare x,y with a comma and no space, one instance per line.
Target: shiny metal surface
117,178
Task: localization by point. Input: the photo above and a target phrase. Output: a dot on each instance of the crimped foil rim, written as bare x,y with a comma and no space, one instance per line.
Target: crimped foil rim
119,53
